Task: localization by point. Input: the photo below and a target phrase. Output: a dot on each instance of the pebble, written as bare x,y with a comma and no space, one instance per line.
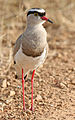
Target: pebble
12,93
19,86
8,83
1,106
29,112
51,105
73,82
38,98
74,69
9,100
4,84
62,85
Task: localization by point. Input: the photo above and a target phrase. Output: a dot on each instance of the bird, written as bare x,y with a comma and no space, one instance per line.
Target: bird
31,47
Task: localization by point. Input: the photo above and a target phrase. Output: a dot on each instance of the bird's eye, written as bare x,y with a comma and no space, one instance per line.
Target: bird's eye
35,14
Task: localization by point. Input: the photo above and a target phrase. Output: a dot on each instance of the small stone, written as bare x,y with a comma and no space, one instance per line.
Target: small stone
51,105
29,112
74,69
19,86
12,93
39,98
40,80
62,85
8,83
1,106
37,84
9,100
59,55
0,103
4,85
73,82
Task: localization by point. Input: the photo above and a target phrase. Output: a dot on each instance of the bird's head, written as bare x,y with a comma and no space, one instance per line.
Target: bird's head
37,16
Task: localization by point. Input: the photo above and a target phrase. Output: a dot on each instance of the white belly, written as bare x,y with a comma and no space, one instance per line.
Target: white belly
27,62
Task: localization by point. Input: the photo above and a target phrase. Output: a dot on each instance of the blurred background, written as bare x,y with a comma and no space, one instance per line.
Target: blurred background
60,64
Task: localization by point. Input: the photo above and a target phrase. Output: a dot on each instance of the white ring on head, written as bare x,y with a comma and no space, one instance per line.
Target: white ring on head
36,9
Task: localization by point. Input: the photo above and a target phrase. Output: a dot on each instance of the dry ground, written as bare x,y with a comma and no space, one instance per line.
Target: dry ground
54,82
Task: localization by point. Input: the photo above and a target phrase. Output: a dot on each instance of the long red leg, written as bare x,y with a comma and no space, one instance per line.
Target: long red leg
32,90
23,89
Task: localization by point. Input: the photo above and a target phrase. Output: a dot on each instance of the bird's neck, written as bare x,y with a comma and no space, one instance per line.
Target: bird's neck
37,30
31,25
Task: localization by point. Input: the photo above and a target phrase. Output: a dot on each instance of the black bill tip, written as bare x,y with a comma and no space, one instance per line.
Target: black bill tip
50,21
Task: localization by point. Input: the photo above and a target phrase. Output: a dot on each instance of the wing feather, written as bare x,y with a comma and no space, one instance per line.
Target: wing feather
17,45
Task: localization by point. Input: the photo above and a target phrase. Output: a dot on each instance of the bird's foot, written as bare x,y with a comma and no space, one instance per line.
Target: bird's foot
32,109
24,109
